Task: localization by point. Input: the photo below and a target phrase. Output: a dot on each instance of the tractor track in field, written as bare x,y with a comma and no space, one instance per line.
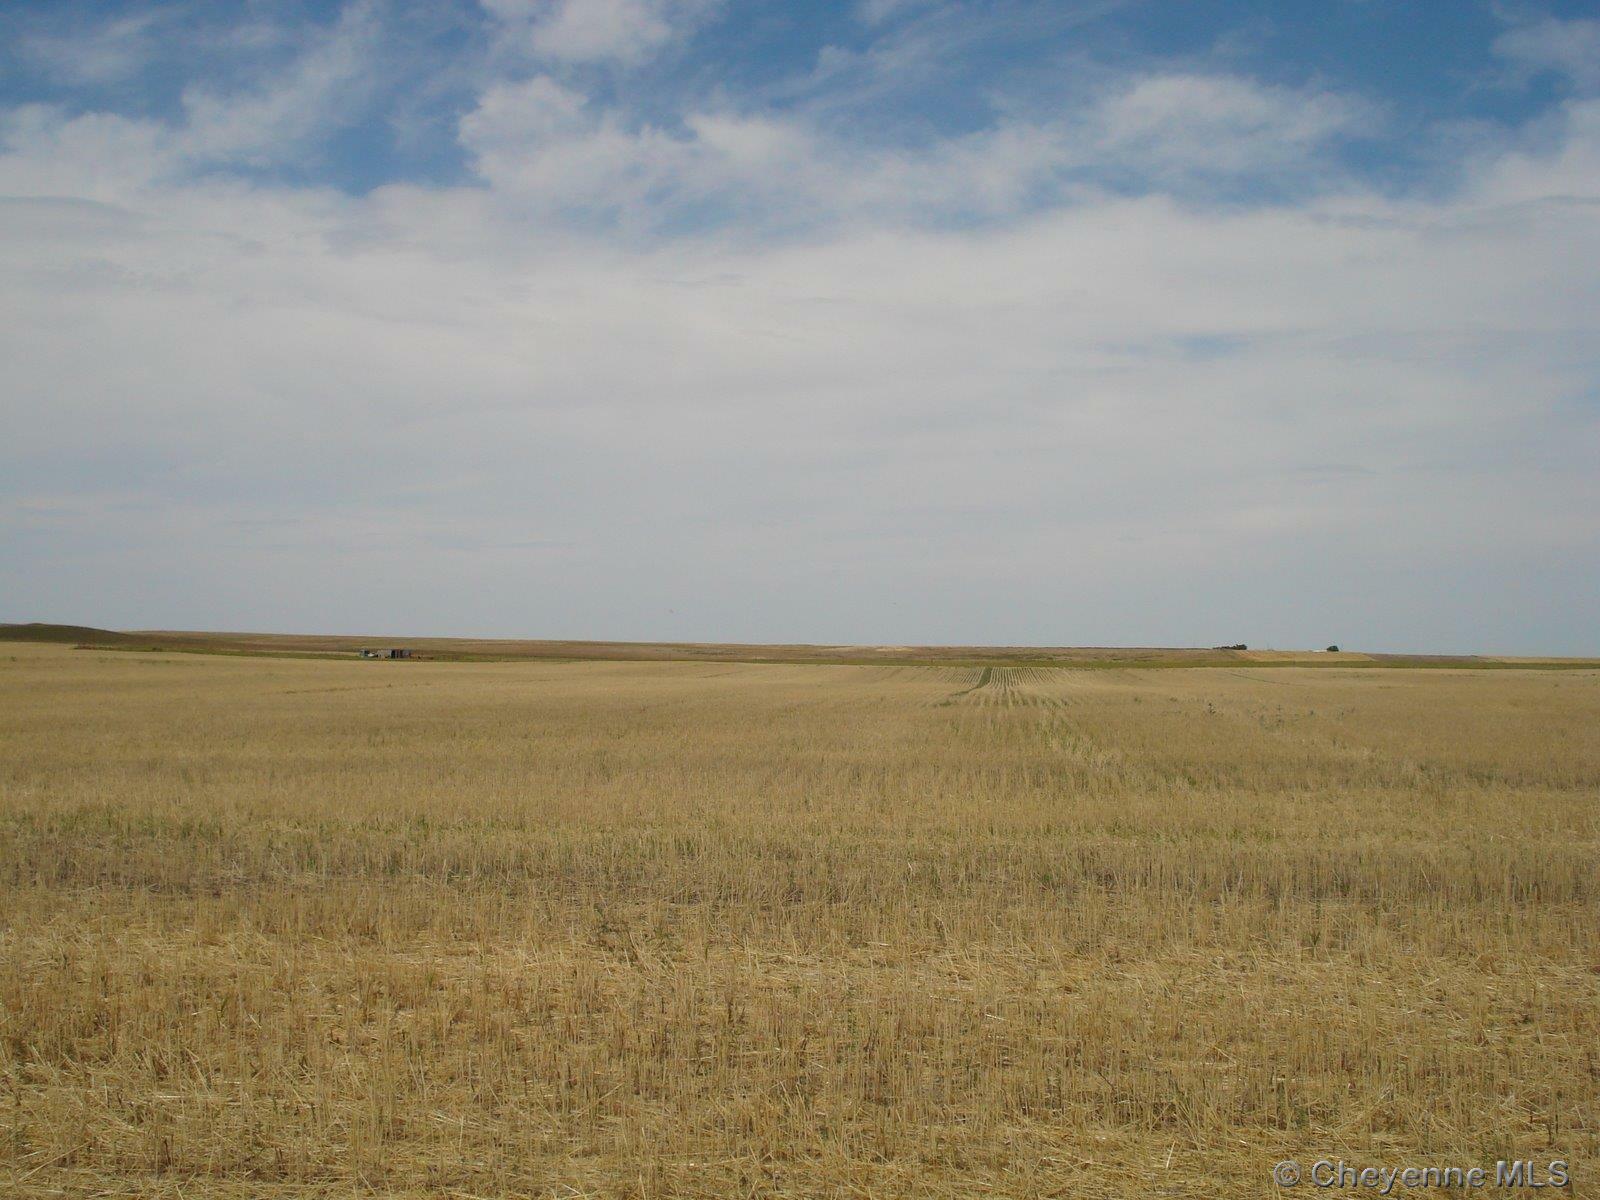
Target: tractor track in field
998,689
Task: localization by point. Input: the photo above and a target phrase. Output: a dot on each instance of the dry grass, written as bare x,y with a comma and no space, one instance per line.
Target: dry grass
273,927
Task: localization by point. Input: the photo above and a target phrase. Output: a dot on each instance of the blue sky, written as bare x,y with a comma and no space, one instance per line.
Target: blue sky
882,321
887,74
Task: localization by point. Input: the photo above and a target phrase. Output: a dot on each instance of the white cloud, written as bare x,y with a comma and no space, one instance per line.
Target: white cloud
106,53
878,12
1570,48
595,31
545,144
256,120
588,30
298,108
1219,126
1559,168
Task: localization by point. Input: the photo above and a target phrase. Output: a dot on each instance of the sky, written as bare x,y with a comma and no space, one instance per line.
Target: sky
1089,322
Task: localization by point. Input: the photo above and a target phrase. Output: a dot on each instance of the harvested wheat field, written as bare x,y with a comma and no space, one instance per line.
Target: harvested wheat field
296,927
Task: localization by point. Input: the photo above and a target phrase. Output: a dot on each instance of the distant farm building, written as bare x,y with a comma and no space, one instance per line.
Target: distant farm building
393,652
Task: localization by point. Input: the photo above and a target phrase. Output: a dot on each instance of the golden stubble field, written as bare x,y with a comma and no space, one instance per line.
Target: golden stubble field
274,928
